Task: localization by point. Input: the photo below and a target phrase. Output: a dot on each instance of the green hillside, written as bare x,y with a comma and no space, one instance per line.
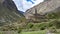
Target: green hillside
12,20
9,13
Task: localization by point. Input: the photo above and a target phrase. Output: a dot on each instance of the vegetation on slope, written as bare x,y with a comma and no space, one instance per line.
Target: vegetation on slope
12,20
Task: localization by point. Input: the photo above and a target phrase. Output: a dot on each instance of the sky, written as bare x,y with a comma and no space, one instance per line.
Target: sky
24,5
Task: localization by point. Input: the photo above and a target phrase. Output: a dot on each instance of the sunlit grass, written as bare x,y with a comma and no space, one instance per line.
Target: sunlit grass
35,32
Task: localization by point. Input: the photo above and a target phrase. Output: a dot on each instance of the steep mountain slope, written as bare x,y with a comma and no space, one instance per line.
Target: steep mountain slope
9,12
45,7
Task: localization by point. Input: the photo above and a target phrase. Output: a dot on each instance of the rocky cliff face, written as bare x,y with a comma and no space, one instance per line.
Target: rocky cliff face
8,12
45,7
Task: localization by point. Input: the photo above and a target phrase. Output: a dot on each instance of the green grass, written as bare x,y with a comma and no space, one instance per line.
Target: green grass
35,32
30,32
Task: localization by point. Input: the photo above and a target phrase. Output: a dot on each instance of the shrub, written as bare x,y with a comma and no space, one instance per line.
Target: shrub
29,25
52,16
43,26
19,29
56,23
53,30
50,24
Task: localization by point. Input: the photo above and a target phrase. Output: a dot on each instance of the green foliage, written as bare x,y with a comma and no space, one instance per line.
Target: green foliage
49,24
19,30
35,32
39,26
56,23
30,25
52,16
43,26
53,30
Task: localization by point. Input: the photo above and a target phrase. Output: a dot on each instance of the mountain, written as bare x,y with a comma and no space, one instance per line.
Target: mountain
9,12
48,6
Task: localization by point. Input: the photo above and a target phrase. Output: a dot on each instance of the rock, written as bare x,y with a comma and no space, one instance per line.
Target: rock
48,6
8,12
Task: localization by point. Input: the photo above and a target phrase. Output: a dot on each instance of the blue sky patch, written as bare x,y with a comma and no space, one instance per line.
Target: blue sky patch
30,1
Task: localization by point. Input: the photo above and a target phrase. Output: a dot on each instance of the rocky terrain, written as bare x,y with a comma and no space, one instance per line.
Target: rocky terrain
9,12
48,6
44,18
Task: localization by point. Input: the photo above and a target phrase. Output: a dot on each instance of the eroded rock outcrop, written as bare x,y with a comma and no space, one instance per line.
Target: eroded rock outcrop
47,6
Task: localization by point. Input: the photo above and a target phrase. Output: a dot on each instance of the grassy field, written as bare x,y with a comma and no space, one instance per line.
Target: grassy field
35,32
30,32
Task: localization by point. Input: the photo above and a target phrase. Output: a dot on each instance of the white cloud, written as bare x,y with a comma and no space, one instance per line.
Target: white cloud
23,5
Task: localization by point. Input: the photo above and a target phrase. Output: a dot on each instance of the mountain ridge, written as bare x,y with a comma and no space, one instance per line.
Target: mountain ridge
9,12
43,8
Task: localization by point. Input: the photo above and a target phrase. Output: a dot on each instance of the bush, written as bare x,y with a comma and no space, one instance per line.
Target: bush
56,23
19,29
43,26
29,25
52,16
53,30
50,24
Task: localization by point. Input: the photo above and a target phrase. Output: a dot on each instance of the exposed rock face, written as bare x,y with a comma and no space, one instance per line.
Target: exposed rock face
9,4
8,12
45,7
